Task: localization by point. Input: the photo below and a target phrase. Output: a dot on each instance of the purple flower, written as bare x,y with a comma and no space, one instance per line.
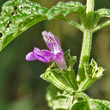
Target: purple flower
55,54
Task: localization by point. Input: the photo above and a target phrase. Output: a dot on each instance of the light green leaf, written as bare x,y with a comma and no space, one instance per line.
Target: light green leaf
90,104
58,99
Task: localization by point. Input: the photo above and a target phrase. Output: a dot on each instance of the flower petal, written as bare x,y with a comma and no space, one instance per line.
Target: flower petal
30,56
56,53
41,55
60,61
52,42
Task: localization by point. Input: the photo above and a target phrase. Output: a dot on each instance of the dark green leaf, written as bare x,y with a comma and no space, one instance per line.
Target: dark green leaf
81,105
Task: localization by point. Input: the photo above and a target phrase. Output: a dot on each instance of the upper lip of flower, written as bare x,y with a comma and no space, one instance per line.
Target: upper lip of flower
56,53
52,42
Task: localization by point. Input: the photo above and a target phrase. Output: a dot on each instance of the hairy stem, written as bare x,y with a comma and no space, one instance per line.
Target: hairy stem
89,13
85,54
87,40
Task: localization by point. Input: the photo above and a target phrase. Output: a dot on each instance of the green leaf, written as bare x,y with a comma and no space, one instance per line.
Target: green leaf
90,104
65,9
93,73
16,17
81,105
58,99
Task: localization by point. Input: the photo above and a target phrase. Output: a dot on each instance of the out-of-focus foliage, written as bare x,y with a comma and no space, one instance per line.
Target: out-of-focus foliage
20,84
53,94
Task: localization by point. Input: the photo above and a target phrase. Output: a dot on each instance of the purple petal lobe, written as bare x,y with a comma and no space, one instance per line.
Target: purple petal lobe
41,55
30,56
60,61
52,42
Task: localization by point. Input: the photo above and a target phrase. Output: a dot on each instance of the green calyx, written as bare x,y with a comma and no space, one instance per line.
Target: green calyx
93,73
63,79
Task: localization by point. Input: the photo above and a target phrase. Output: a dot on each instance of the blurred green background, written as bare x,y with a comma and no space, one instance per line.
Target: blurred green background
21,88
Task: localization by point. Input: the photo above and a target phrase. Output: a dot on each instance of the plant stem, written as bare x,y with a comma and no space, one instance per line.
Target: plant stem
81,95
85,54
87,40
102,25
89,13
73,23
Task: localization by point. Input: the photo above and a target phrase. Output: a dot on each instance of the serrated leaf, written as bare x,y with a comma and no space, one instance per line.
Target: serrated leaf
90,104
57,99
65,9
